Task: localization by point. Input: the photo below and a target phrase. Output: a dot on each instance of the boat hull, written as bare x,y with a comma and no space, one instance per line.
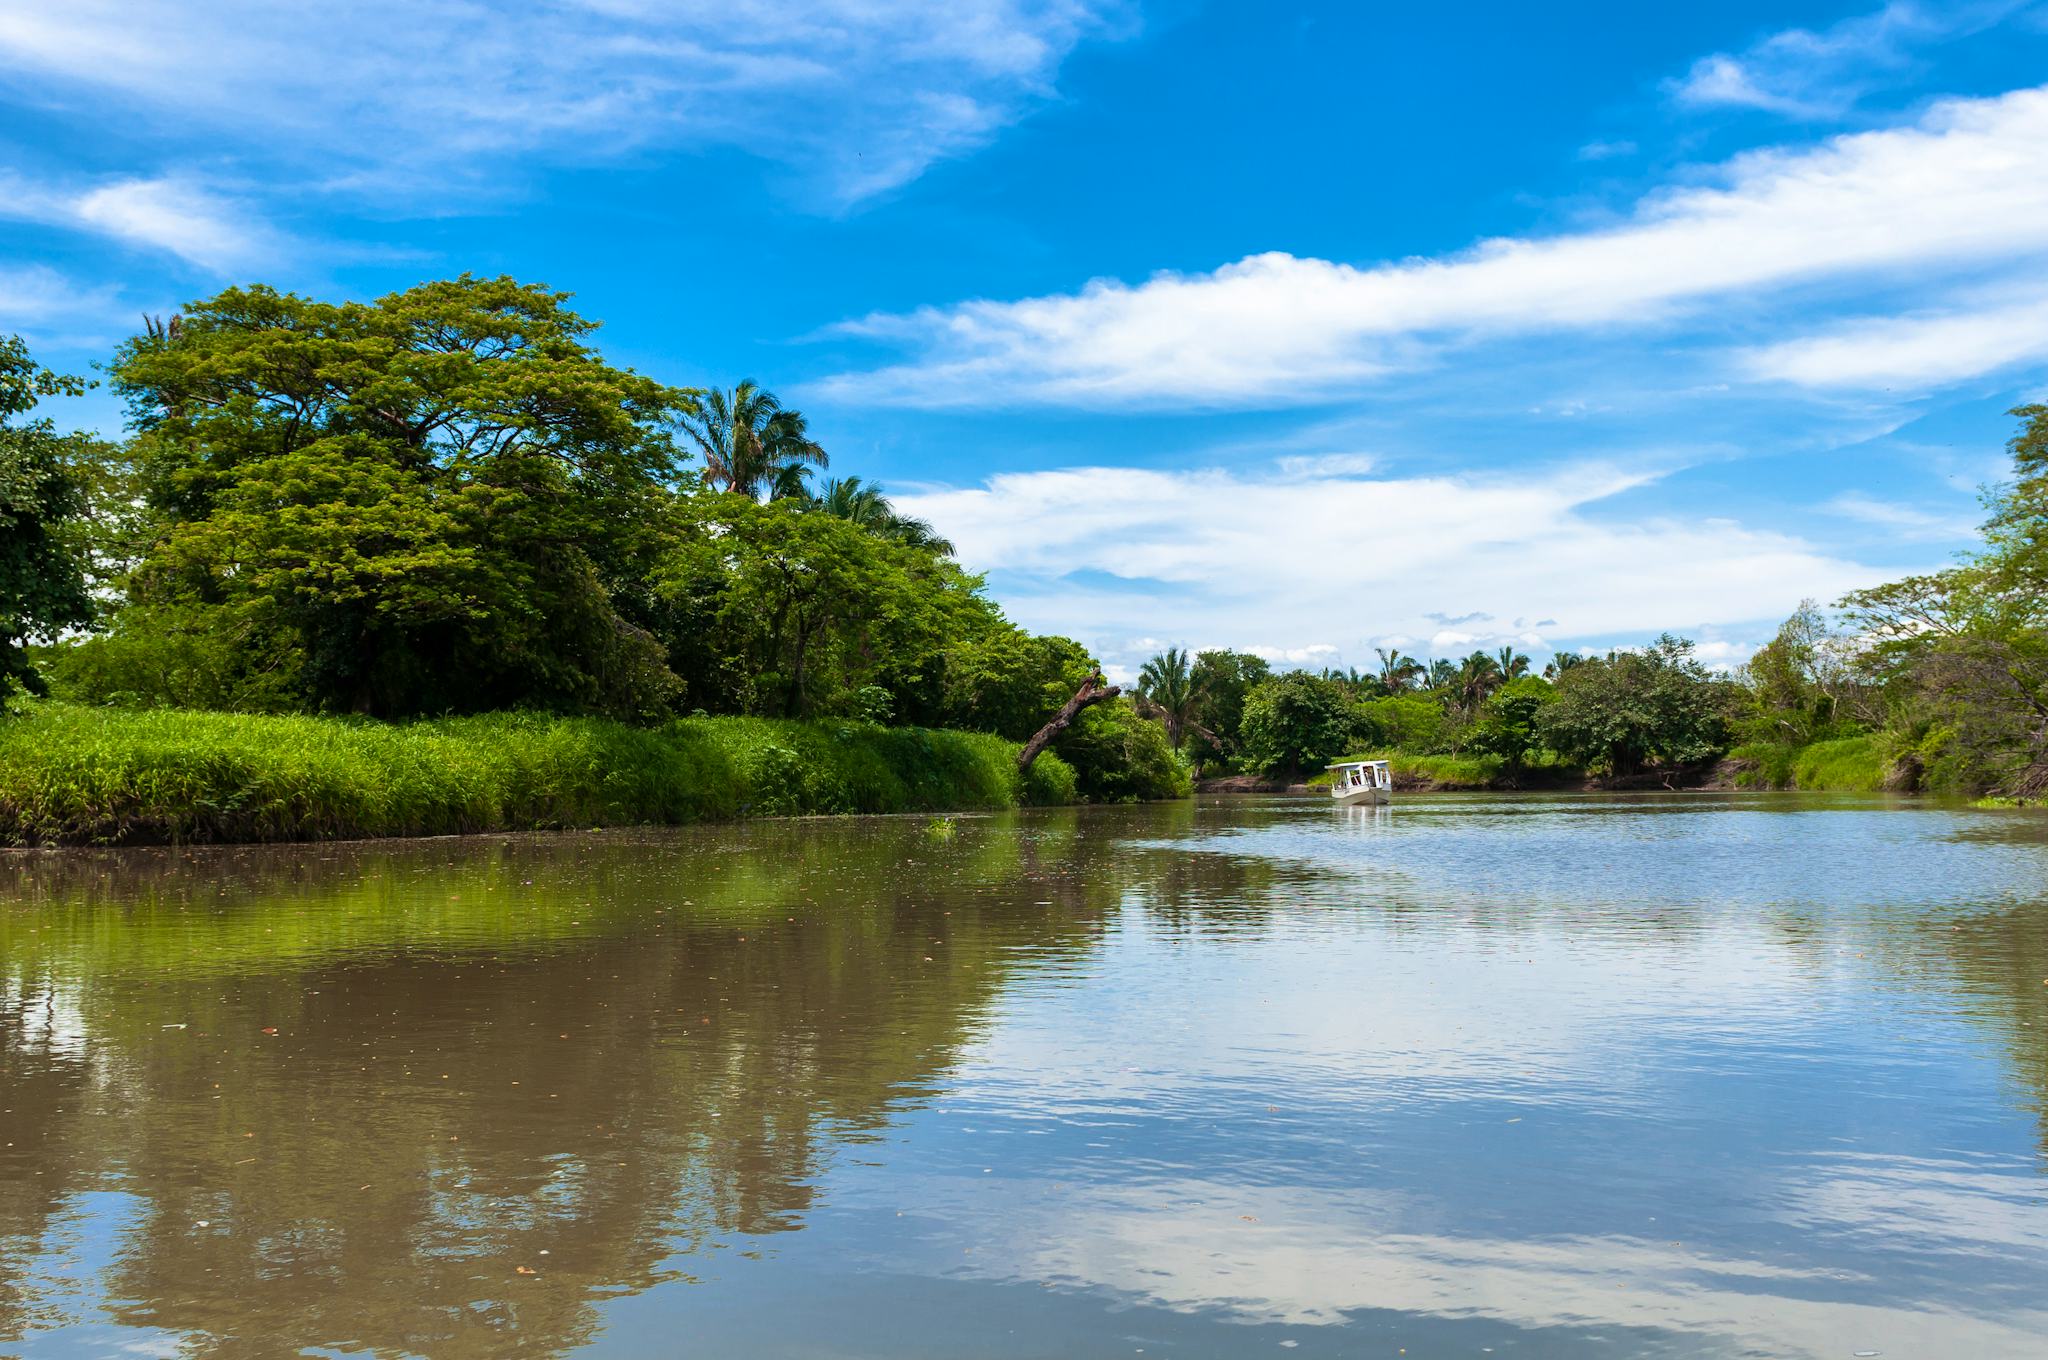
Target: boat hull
1352,797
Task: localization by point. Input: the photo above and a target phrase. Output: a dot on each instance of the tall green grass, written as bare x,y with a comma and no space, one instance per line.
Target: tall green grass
71,775
1844,765
1849,764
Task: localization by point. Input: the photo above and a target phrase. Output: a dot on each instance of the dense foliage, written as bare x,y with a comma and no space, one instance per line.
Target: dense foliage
446,501
1631,709
1936,682
42,565
420,504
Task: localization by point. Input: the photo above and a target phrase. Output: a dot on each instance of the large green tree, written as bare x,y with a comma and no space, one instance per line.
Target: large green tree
1224,677
422,503
1631,709
42,567
1295,723
1510,722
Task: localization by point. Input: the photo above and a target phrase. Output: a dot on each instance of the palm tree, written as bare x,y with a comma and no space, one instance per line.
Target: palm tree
1442,673
1512,663
1398,672
1478,676
1561,663
863,503
1166,683
752,443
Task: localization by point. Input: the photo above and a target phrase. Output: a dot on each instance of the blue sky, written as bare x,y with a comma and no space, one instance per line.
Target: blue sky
1300,328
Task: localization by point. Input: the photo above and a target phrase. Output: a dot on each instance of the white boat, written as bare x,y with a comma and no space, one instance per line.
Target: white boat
1361,781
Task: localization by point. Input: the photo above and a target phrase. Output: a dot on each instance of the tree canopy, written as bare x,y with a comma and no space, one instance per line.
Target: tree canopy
42,564
411,505
446,500
1627,709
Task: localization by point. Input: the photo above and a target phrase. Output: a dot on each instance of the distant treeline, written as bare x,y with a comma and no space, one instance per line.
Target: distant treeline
1936,683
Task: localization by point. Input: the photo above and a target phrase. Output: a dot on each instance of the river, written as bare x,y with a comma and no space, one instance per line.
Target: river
1662,1075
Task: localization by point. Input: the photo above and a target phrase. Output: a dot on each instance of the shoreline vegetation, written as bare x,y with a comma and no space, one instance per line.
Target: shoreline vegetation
1844,765
430,563
84,776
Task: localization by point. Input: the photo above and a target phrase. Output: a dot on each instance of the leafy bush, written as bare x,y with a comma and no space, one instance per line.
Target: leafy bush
1763,764
1844,764
1119,757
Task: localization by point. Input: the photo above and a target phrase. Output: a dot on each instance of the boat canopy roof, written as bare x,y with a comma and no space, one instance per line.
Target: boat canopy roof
1356,764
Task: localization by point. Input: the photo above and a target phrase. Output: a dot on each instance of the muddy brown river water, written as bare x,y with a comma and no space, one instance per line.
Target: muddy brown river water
1672,1075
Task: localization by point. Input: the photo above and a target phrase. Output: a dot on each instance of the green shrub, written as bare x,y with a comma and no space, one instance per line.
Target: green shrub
1119,757
72,775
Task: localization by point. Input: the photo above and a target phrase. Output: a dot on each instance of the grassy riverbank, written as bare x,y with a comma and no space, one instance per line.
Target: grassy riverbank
71,775
1844,765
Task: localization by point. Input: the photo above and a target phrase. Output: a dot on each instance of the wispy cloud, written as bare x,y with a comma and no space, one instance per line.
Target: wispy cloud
1606,150
1963,186
856,96
170,214
1914,523
1981,334
38,300
1292,563
1803,73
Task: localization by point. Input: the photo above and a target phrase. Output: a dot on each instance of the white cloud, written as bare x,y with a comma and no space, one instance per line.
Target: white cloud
1327,464
1915,351
1965,186
1317,1257
39,294
1280,564
1314,656
1721,79
1911,522
1800,73
1722,655
1605,150
858,95
168,214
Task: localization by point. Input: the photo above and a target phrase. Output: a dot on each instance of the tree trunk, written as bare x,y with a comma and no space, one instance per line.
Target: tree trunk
1092,691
